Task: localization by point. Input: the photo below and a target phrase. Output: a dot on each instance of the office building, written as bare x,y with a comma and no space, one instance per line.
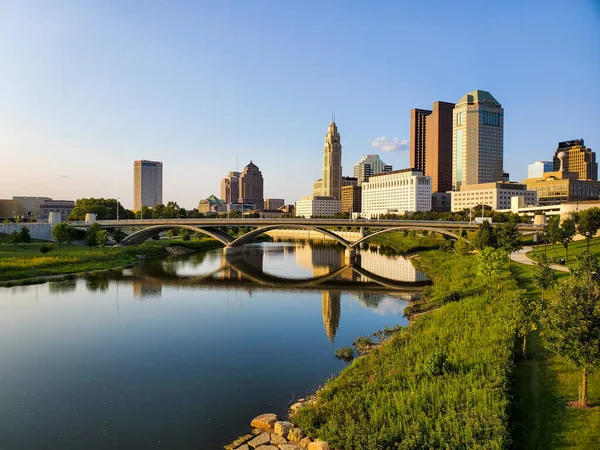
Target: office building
368,166
351,199
431,144
332,164
251,188
397,192
496,195
578,159
62,207
555,188
317,206
441,201
349,181
230,189
212,204
538,168
147,184
274,203
477,140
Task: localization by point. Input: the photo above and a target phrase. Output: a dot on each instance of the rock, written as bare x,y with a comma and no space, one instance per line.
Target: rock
305,442
296,406
282,428
295,435
318,445
243,447
239,441
289,447
267,447
277,439
259,440
265,421
257,431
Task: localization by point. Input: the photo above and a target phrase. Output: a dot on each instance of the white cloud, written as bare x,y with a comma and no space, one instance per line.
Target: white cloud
390,145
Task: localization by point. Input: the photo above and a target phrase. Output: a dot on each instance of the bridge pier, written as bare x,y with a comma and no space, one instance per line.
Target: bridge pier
350,255
234,251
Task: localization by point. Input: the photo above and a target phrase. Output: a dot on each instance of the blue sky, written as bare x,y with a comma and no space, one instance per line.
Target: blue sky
86,87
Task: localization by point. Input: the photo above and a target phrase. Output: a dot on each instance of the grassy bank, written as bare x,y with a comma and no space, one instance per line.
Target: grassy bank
543,386
557,251
408,242
26,262
443,383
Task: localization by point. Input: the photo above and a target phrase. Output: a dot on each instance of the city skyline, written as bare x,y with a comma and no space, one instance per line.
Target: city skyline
165,85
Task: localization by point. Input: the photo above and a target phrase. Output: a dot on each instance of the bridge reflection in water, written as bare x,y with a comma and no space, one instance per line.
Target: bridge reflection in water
371,278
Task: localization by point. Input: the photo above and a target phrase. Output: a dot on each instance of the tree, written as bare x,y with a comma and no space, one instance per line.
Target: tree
567,231
105,209
91,235
60,233
71,235
492,264
14,239
118,235
24,235
588,223
101,238
507,236
572,326
185,235
462,247
552,231
485,236
544,276
526,310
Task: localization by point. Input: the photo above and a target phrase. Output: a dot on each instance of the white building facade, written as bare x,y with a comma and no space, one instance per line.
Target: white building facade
396,192
537,169
317,206
495,195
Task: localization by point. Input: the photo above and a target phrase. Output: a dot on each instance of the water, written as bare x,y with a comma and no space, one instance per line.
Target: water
182,353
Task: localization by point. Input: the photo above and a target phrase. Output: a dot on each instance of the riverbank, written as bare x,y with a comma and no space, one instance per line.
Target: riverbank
26,265
445,382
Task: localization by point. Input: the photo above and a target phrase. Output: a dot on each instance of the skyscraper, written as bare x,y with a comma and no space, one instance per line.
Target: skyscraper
368,166
477,140
147,184
230,189
332,164
251,186
537,169
578,158
431,144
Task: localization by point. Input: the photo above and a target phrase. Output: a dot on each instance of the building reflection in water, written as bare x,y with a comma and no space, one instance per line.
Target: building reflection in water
146,291
331,309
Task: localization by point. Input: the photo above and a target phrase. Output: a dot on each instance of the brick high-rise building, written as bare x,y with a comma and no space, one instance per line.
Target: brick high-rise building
578,159
477,140
251,186
147,184
230,188
431,144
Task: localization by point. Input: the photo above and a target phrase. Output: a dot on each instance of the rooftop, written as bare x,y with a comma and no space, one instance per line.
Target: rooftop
477,96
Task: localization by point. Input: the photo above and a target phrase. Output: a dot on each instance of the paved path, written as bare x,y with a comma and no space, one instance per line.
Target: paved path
521,257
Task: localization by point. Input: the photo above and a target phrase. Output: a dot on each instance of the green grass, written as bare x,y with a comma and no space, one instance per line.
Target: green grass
27,262
412,242
443,383
557,251
543,384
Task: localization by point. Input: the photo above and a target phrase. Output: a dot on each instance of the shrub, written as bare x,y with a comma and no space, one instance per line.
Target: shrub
345,353
46,248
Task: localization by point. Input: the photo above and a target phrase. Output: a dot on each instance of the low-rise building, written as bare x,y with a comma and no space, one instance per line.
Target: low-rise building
554,188
441,201
496,195
62,207
212,204
274,203
399,191
317,206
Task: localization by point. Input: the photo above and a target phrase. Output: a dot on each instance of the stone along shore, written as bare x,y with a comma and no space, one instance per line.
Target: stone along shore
269,433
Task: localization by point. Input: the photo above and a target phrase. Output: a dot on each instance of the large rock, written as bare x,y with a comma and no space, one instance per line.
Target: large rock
277,439
282,428
267,447
304,443
264,421
289,447
243,447
259,440
318,445
296,406
295,435
238,442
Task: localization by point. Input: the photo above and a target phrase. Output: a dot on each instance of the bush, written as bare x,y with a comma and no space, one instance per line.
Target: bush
46,248
345,353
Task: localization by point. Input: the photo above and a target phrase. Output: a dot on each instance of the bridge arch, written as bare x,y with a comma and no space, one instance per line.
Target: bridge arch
402,228
141,235
252,234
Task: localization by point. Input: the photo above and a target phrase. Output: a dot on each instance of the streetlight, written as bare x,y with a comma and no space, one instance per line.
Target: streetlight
587,238
118,198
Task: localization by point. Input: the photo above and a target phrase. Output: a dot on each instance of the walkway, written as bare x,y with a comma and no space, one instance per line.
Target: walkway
520,256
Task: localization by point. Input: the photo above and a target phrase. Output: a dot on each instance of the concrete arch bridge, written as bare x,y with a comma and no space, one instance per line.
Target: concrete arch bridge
146,228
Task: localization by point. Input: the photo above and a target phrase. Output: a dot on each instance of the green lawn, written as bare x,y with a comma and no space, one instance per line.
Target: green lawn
557,251
543,385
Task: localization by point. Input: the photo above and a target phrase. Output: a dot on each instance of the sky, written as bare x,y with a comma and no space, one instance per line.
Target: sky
87,87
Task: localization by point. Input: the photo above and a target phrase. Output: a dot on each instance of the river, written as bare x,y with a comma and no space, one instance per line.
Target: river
181,353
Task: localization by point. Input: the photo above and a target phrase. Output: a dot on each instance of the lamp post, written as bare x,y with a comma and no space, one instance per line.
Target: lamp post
118,198
587,238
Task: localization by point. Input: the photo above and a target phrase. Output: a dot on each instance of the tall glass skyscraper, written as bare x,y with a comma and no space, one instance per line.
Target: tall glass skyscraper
477,140
147,184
